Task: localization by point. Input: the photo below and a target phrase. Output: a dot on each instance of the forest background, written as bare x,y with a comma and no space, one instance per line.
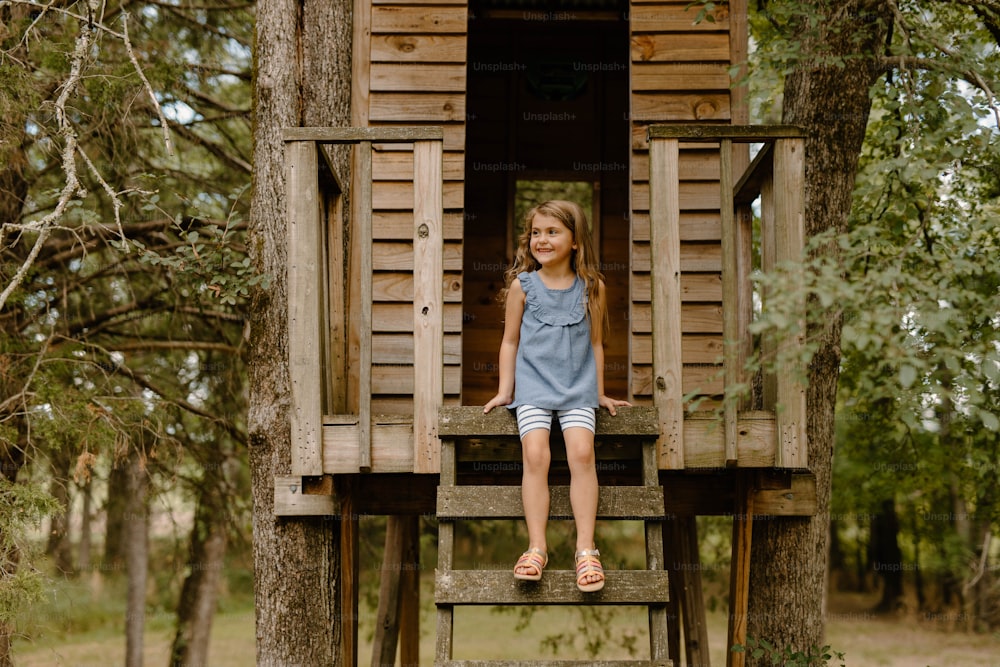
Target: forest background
125,144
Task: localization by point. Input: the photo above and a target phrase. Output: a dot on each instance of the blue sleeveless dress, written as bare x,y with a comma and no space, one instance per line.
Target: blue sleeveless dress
555,366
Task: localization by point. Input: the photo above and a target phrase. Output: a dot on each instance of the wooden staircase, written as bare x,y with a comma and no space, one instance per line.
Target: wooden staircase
649,587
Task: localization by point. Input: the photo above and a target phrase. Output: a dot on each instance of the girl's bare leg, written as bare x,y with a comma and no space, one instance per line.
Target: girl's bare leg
535,485
582,486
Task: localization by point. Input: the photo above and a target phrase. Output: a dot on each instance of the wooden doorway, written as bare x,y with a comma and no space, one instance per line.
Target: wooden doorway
546,112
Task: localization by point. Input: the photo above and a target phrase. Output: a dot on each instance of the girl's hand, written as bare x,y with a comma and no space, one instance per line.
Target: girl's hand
497,401
611,404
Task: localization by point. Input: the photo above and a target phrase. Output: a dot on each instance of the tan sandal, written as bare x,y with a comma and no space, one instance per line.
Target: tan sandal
534,560
588,563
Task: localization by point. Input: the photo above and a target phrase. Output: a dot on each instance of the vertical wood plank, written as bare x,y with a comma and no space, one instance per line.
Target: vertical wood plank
337,305
361,63
364,232
789,211
767,262
390,589
446,558
659,640
409,606
693,601
305,306
428,303
664,221
349,574
739,576
730,302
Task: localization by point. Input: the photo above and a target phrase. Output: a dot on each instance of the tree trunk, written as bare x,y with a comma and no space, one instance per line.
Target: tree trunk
196,606
86,527
59,545
135,540
829,100
302,77
887,557
115,509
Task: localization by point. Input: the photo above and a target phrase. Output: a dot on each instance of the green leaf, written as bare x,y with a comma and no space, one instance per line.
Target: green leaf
907,376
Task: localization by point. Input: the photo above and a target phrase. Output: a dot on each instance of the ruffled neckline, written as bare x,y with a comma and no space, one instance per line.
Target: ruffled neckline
546,308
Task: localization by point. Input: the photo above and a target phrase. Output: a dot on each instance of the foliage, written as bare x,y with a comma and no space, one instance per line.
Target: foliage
761,649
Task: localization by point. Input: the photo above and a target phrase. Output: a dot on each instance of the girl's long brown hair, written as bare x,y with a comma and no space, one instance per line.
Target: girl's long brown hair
583,261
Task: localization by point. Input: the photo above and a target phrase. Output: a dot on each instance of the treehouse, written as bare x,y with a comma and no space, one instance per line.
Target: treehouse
462,112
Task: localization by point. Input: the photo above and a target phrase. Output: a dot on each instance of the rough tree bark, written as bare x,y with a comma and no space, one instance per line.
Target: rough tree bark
135,540
301,77
830,100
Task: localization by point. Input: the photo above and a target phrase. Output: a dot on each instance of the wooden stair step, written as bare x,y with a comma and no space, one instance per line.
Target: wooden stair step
557,587
554,663
642,503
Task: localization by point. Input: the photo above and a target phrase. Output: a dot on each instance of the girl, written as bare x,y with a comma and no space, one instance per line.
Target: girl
552,361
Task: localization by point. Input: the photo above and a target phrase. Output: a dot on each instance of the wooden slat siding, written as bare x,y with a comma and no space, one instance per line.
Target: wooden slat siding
695,225
698,349
398,225
694,318
392,256
680,47
653,77
697,164
704,379
418,48
398,349
305,307
678,17
693,195
395,77
428,304
419,19
363,230
398,195
399,287
416,107
398,166
680,107
666,302
730,300
789,214
398,318
398,379
694,257
694,287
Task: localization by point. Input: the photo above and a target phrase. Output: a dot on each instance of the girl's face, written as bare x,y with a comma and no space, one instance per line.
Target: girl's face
551,242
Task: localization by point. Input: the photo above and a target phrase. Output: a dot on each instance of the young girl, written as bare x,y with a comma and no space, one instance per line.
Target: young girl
552,361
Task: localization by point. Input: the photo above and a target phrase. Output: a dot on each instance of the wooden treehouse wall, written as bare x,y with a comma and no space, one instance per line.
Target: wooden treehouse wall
680,74
410,70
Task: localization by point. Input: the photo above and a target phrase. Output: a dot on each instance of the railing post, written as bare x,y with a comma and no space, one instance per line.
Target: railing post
428,304
789,219
364,231
730,302
664,241
305,306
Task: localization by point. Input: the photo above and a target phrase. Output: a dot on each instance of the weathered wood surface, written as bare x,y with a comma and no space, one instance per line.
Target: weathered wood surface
305,305
557,587
732,295
504,502
418,48
673,47
351,135
737,133
469,421
289,499
553,663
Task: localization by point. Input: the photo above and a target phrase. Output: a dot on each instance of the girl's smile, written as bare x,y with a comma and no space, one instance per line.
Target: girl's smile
551,242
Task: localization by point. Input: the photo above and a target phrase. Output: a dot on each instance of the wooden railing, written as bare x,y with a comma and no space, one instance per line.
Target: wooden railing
777,176
318,340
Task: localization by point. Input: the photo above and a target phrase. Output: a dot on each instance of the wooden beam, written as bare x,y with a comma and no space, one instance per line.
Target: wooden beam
387,615
363,229
730,304
664,221
401,134
428,304
739,581
469,421
737,133
789,213
409,604
290,499
305,306
349,572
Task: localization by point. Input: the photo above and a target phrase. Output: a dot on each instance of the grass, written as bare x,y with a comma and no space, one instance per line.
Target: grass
54,640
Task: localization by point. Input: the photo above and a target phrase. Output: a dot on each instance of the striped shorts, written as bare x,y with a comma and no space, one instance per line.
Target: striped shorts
529,418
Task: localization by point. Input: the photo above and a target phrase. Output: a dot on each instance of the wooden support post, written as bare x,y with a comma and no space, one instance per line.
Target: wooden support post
428,304
409,583
364,232
349,574
789,213
672,562
659,645
305,306
387,616
446,559
739,579
730,303
664,234
692,600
